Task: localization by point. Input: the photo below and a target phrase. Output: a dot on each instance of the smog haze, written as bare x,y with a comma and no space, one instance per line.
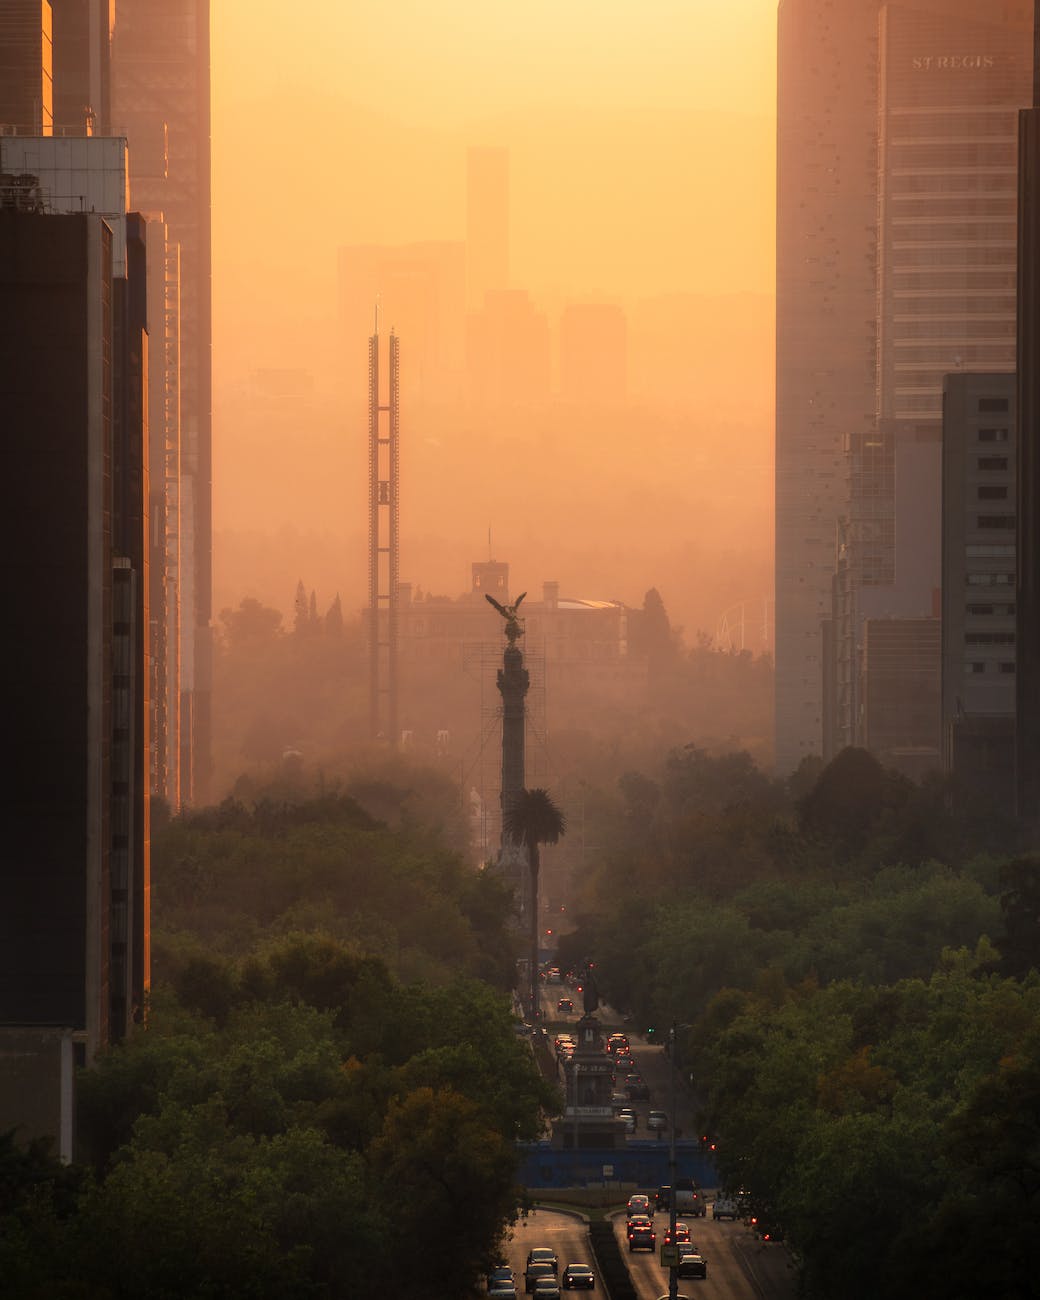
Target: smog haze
606,413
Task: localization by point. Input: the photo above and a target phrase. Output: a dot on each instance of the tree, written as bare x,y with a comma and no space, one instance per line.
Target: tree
533,819
849,799
301,617
251,623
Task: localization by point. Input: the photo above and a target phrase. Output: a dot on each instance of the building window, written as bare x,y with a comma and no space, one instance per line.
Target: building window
995,521
993,403
975,666
989,638
1006,667
993,435
980,609
991,492
991,579
993,462
980,552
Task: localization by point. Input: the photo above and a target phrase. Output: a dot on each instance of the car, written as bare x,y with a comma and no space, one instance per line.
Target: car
615,1041
577,1276
682,1233
642,1237
691,1264
535,1272
637,1222
501,1276
565,1004
547,1288
503,1291
637,1088
657,1121
725,1208
543,1255
628,1117
619,1101
688,1200
638,1203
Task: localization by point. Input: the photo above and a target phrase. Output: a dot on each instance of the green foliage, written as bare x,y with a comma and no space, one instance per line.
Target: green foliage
858,959
288,1149
229,876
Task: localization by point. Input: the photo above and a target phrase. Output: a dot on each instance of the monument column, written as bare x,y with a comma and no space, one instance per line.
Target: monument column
513,681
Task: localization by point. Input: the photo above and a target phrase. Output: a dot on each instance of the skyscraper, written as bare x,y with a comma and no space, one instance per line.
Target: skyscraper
26,67
1027,704
74,923
978,598
160,101
895,265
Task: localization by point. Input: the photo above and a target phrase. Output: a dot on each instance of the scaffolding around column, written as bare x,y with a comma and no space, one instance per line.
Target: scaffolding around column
383,540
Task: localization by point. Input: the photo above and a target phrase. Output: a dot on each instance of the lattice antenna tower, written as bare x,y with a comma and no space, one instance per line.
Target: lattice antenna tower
384,471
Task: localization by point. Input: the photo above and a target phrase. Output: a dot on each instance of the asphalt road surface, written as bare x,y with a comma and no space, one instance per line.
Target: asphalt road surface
740,1265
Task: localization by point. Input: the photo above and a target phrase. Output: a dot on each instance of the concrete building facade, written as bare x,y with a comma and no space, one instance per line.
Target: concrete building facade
979,567
895,264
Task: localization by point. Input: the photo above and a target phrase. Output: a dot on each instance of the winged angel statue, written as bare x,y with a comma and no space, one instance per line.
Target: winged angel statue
508,612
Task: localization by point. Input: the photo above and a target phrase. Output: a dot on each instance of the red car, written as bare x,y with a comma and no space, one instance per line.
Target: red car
682,1233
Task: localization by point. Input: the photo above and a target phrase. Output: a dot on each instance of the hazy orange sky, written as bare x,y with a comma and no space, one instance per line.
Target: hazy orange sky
641,140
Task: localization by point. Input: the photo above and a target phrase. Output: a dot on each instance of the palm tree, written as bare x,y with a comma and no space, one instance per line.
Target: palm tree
533,819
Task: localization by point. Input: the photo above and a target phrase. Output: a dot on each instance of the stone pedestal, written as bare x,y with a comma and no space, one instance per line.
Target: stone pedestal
588,1118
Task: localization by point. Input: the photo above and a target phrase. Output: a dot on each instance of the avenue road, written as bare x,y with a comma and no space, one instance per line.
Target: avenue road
740,1265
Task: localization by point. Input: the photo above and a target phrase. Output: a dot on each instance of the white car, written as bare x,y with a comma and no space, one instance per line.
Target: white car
724,1208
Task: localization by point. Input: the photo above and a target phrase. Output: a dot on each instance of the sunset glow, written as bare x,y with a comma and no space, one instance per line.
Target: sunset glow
641,174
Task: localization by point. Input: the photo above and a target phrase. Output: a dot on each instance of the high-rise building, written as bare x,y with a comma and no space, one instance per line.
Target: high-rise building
160,102
74,924
74,954
900,692
26,67
82,33
825,312
895,252
1027,603
978,595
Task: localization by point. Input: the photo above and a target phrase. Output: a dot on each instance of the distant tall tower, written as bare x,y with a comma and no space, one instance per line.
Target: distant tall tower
383,541
1027,603
487,223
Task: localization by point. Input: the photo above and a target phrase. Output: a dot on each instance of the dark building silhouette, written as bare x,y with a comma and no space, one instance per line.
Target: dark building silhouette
74,925
978,593
1027,709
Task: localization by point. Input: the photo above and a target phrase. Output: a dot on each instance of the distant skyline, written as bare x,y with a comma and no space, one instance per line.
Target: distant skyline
642,171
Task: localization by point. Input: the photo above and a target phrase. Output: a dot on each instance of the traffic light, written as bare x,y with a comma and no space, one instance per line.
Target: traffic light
651,1033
